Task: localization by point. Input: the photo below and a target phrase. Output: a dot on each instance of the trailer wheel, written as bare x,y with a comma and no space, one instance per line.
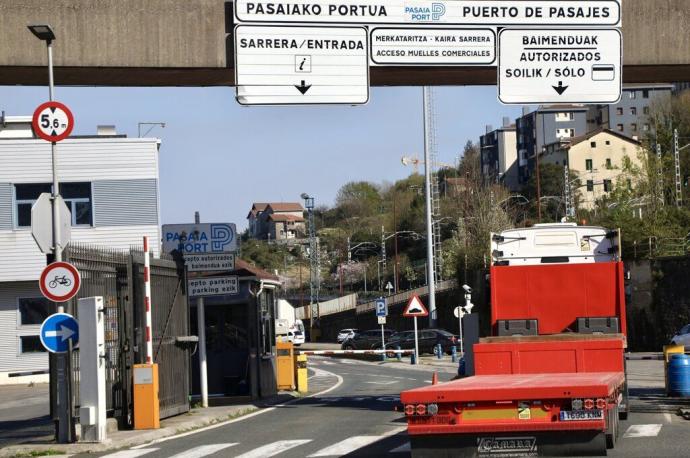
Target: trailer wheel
623,413
612,427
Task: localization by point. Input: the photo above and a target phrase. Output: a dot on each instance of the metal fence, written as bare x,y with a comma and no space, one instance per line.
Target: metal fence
117,276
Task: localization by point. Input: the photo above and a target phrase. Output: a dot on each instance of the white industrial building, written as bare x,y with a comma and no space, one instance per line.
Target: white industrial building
111,185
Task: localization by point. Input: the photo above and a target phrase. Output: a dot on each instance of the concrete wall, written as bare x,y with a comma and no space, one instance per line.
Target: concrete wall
185,43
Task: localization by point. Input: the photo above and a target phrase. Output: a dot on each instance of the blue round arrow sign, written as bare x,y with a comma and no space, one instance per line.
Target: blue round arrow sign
57,331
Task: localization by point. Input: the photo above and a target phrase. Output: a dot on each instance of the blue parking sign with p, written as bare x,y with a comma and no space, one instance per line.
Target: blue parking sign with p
381,309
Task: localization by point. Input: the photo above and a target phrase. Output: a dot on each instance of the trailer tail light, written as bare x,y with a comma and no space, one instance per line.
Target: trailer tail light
420,409
577,404
589,404
601,403
409,409
432,409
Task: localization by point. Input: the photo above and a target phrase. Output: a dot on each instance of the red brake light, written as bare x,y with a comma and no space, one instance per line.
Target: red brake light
421,409
601,403
409,409
589,404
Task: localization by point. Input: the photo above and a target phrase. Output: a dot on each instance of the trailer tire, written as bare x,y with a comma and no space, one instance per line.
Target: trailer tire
623,413
612,428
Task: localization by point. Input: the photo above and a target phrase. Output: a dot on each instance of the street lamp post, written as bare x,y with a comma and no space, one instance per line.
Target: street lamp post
60,364
314,274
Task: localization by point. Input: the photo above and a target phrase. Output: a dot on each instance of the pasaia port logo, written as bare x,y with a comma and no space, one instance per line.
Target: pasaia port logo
432,13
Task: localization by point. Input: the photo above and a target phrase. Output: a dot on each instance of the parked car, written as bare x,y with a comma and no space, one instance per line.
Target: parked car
345,334
366,340
296,337
682,337
428,339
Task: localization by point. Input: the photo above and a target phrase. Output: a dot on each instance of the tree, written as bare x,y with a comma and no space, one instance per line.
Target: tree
358,199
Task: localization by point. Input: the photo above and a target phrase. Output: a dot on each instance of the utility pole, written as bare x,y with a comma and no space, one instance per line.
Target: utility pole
538,189
395,241
676,163
569,204
427,195
659,172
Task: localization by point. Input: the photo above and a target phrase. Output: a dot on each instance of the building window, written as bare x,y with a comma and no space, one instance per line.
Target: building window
593,144
608,163
633,111
590,185
633,127
645,93
608,142
645,127
607,185
588,164
77,196
30,344
564,116
619,111
633,94
33,310
645,110
619,127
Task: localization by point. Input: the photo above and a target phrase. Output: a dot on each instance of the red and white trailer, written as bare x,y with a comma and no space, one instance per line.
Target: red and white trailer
550,381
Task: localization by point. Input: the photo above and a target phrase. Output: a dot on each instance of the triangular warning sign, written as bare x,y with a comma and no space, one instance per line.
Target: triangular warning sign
415,307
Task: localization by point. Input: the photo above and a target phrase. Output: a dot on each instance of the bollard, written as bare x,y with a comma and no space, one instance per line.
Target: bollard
453,354
413,358
383,355
439,351
398,354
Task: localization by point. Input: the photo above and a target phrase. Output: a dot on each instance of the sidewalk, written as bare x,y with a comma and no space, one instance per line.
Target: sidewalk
195,419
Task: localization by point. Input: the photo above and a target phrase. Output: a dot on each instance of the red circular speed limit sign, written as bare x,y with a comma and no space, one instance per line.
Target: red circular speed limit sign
53,121
59,282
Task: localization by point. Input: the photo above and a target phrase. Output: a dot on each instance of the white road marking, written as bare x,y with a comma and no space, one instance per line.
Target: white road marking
668,417
328,363
203,450
388,382
643,430
427,381
274,448
404,448
250,415
353,443
130,453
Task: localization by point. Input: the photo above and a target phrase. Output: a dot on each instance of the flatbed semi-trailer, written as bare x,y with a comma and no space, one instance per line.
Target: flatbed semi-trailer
550,381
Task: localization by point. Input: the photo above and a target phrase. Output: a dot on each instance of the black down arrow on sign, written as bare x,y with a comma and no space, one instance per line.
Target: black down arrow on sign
560,88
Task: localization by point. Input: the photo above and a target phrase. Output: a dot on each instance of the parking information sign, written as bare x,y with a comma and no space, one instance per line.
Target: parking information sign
213,286
200,238
559,66
381,309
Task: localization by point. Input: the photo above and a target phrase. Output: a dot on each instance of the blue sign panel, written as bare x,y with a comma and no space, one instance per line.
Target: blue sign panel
381,309
200,238
57,331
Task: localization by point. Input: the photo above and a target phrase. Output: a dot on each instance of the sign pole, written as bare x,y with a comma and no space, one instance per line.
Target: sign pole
63,376
201,330
460,327
416,342
383,341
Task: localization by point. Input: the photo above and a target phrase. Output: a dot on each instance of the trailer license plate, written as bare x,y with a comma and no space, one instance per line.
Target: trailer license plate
576,415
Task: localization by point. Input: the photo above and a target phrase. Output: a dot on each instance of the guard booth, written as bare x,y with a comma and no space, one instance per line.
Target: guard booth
240,339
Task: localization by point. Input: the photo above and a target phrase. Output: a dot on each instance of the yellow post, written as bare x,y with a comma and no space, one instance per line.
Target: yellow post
669,351
146,407
301,369
285,363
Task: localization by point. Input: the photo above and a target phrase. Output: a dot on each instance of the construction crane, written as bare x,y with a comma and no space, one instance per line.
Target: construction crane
416,162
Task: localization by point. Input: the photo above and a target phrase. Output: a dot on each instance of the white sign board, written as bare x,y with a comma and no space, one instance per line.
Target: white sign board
381,319
433,46
42,222
456,12
200,238
213,286
287,65
559,66
209,262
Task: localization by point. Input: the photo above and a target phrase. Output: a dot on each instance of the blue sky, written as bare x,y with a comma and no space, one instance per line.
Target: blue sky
218,157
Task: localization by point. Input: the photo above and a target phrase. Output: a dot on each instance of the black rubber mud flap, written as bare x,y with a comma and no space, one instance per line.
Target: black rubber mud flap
559,443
